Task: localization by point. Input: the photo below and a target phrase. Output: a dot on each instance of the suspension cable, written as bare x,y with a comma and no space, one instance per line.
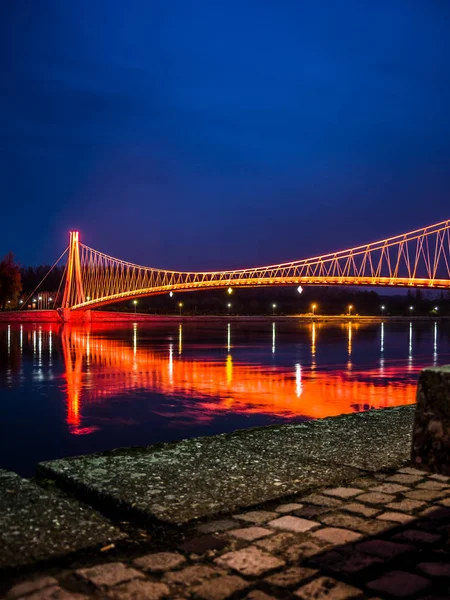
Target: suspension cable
43,279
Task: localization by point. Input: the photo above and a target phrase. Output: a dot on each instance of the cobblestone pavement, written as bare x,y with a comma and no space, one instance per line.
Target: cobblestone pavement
384,535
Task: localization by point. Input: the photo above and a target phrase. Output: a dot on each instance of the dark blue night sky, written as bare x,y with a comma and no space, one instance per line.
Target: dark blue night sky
209,134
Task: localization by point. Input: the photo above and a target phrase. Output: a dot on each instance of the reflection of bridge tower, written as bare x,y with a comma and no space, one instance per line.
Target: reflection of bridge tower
73,289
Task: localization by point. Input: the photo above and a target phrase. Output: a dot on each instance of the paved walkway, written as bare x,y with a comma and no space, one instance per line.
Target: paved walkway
381,535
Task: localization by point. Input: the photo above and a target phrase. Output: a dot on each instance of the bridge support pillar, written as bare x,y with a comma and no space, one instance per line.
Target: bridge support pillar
78,316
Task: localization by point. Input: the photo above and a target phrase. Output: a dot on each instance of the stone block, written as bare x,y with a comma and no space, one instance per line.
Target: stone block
54,592
287,508
327,501
250,534
342,492
395,517
192,575
217,526
291,577
160,561
326,588
361,509
27,587
399,584
384,548
108,574
389,488
375,498
435,569
425,495
336,536
405,479
294,524
417,536
250,561
258,595
346,521
256,516
431,432
405,505
134,590
220,588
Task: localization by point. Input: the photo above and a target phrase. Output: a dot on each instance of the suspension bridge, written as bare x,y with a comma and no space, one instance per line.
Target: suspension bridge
419,258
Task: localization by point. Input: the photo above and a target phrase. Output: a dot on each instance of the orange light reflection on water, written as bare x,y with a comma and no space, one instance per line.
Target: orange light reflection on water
98,368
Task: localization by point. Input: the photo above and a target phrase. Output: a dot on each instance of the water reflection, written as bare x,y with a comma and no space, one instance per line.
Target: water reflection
318,371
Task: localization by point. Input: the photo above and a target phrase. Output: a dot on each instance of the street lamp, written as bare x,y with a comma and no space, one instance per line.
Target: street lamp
180,305
350,306
314,306
229,306
411,308
135,303
382,309
436,308
230,290
171,294
273,308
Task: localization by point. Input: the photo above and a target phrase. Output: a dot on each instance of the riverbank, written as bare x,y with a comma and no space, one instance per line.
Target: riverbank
338,514
52,316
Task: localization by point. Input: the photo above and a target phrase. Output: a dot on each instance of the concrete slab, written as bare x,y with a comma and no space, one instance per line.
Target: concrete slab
194,478
36,524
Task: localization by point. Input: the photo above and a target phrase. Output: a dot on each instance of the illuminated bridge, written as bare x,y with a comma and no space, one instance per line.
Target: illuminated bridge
419,258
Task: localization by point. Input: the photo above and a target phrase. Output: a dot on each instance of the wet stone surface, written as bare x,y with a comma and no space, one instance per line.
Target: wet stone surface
37,524
194,478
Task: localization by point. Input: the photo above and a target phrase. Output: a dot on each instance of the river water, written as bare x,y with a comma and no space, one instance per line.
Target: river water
72,390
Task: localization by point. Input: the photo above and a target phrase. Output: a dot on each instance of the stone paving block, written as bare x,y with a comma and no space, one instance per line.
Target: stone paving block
405,479
138,589
310,511
54,592
346,521
445,501
217,526
361,509
108,574
220,588
340,564
287,508
192,575
400,584
277,543
412,471
37,524
250,534
34,585
384,548
326,588
435,569
389,488
294,524
258,595
336,535
405,505
301,551
364,482
433,485
292,576
160,561
424,495
250,561
439,477
327,501
417,536
256,516
342,492
395,517
375,498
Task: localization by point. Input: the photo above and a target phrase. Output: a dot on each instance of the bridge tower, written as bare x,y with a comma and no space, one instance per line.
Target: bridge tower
73,288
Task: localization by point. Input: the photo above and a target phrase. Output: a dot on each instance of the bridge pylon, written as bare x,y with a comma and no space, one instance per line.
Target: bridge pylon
73,288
